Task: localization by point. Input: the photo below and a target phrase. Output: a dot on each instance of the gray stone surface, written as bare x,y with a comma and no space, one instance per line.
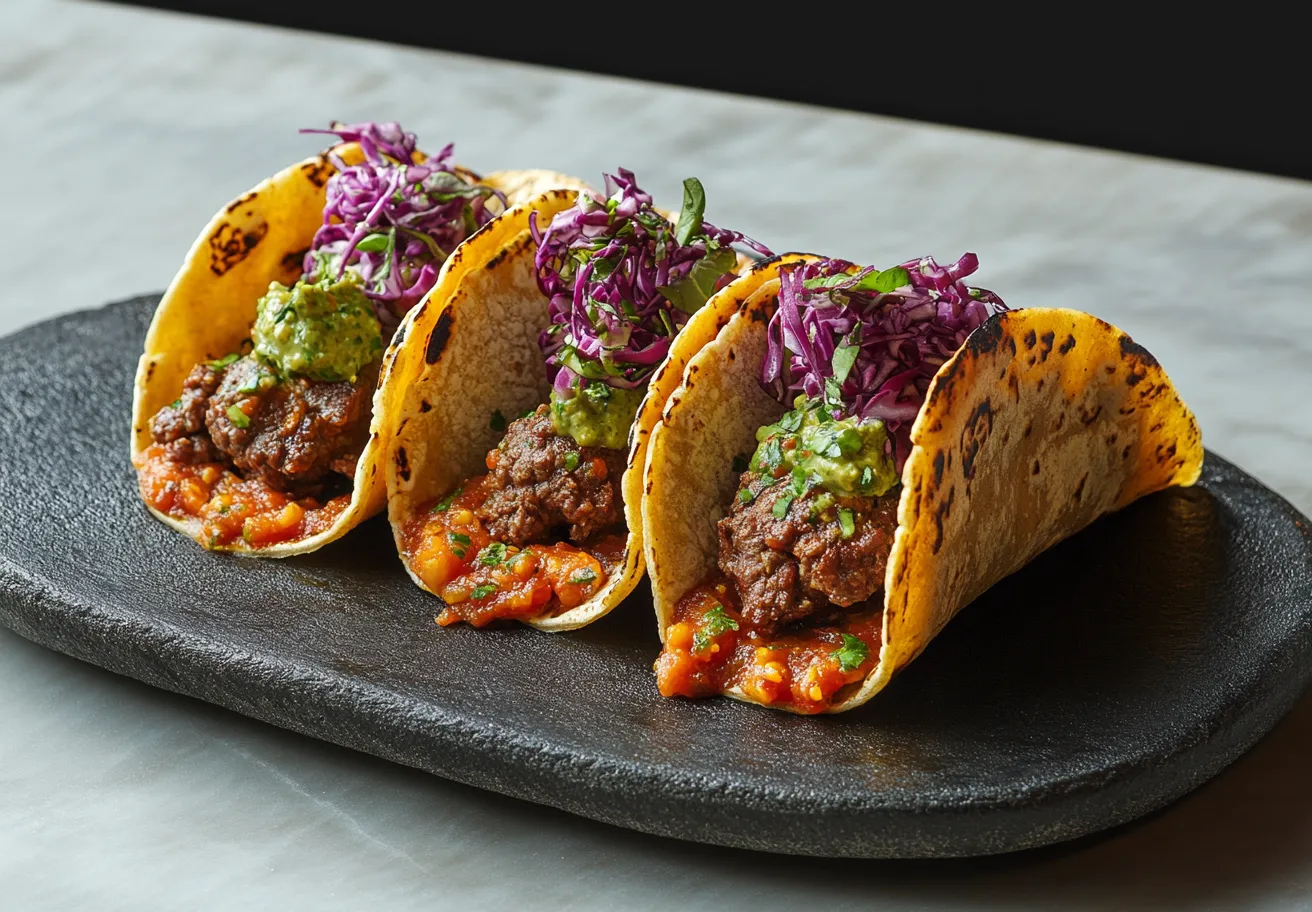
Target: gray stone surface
127,129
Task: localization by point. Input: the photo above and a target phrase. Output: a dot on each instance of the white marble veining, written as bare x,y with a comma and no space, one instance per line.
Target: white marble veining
125,129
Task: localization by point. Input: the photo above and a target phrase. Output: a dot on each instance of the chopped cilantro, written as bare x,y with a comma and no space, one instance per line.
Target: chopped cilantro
483,591
852,653
768,456
175,404
746,496
223,362
690,215
846,524
583,577
867,477
780,509
459,543
845,354
571,461
238,417
792,421
492,555
715,622
374,243
498,422
445,503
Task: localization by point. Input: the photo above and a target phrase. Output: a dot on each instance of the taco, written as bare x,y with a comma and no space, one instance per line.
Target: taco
255,396
524,397
853,455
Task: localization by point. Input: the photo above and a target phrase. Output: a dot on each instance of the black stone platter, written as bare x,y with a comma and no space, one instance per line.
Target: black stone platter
1115,673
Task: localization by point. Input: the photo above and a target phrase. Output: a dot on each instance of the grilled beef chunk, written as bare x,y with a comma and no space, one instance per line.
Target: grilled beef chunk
540,480
788,568
296,431
181,426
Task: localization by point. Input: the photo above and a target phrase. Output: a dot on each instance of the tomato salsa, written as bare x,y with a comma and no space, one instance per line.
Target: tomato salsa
483,580
710,649
231,509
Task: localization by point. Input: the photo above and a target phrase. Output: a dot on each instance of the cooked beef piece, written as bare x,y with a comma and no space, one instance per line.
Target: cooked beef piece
297,431
786,569
181,427
533,489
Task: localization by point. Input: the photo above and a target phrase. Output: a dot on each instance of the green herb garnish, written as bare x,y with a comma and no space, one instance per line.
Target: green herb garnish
374,243
445,503
845,354
714,623
238,417
846,524
223,362
583,577
492,555
459,543
852,653
780,509
691,215
571,461
483,591
746,496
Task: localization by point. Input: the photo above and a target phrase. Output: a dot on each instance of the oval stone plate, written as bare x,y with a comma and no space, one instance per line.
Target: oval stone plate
1115,673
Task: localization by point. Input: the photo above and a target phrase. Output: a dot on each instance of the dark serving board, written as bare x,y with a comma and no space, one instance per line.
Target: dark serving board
1115,673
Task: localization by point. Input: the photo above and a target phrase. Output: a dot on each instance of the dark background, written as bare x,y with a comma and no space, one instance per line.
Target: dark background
1229,90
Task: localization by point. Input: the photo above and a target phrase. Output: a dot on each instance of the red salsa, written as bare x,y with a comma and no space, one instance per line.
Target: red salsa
710,649
230,509
483,580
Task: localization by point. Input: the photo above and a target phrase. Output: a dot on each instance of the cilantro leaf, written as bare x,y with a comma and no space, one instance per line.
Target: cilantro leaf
826,281
238,417
374,243
717,622
846,524
885,281
492,555
583,577
693,290
445,503
571,461
222,362
691,215
780,509
852,653
746,496
483,591
845,354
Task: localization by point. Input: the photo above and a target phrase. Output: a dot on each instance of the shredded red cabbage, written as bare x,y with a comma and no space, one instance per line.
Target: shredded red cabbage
621,284
870,342
392,219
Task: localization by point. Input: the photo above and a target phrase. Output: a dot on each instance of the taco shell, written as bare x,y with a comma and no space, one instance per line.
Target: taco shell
1043,421
475,351
210,305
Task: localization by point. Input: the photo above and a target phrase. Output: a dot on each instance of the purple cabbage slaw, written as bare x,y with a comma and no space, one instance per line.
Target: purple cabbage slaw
867,346
609,266
392,219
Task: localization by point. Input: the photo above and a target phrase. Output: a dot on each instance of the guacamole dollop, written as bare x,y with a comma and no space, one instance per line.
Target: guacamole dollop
846,457
325,330
596,415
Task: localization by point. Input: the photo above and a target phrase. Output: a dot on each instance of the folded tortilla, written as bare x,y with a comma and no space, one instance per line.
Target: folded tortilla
1043,421
458,358
210,306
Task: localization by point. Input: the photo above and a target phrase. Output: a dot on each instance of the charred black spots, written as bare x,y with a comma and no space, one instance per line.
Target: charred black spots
402,464
1067,345
441,335
978,429
229,245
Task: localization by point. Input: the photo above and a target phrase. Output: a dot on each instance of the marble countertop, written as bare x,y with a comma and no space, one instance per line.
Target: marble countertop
128,128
